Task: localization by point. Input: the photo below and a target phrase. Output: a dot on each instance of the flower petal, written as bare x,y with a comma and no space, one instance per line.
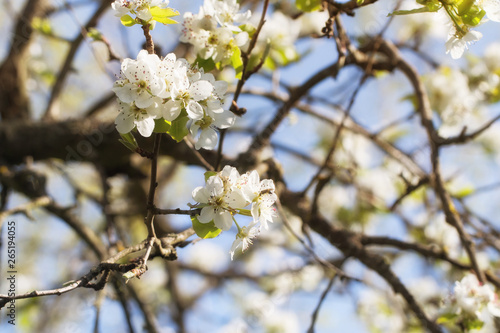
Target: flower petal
146,126
194,110
171,110
124,122
223,220
201,195
207,214
200,90
207,140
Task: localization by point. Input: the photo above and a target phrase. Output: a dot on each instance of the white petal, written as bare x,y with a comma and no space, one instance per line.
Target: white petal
492,9
455,47
146,126
124,123
224,120
124,93
208,77
171,110
144,14
200,90
241,38
230,172
201,195
154,109
214,106
215,186
223,220
236,200
207,214
143,99
236,244
207,140
255,212
472,36
220,88
193,129
267,184
194,110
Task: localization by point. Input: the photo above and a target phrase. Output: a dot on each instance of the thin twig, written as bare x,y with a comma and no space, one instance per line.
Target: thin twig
318,307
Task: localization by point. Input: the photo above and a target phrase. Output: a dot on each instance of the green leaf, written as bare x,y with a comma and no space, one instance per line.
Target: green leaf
249,28
94,34
473,16
207,64
269,63
308,5
205,230
412,11
161,126
237,62
178,129
433,5
473,324
129,141
446,318
463,6
42,25
209,174
246,212
463,192
162,15
127,20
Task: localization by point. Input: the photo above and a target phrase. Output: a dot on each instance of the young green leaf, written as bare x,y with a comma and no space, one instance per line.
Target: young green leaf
205,230
161,126
178,129
163,15
129,141
207,64
412,11
94,34
236,62
127,20
308,5
209,174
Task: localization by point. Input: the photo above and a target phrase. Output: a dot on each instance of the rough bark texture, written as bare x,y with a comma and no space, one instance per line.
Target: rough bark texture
80,140
14,101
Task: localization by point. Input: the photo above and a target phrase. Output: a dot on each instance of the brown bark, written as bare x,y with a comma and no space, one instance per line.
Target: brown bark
14,101
81,140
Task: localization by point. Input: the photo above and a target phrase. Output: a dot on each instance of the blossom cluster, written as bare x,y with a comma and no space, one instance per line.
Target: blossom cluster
227,193
140,8
464,17
215,31
152,88
473,305
278,35
477,86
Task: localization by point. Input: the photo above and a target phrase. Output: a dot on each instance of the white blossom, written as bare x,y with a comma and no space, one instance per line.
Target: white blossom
165,87
492,9
140,82
214,31
226,13
131,116
227,193
220,204
141,8
279,34
456,44
244,238
472,300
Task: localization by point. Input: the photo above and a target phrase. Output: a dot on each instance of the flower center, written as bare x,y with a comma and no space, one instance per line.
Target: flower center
204,122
